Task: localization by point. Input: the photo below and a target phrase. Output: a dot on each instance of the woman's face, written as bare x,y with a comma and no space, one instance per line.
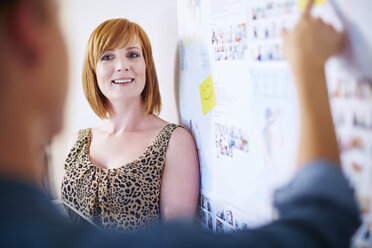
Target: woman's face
121,72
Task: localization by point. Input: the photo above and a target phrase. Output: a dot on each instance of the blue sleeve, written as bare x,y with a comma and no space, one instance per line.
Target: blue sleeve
316,209
320,181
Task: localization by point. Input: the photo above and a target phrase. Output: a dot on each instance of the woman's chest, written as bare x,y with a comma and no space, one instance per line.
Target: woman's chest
115,151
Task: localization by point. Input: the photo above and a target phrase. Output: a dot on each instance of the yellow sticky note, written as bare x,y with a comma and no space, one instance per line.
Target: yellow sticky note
302,3
207,96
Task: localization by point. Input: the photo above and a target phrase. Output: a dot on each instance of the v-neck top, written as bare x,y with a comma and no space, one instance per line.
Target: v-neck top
124,198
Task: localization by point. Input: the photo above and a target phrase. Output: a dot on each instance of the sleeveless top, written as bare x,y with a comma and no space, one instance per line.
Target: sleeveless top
124,198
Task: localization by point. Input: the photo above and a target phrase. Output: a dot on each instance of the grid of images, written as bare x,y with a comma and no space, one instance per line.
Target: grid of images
267,19
272,9
351,102
229,138
221,219
360,89
229,42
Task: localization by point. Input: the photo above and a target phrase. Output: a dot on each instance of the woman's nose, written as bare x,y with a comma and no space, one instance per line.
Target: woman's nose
122,65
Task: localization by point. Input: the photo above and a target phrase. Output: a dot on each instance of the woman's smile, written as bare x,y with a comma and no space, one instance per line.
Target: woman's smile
123,81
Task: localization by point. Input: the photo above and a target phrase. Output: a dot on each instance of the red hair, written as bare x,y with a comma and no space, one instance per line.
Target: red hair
110,35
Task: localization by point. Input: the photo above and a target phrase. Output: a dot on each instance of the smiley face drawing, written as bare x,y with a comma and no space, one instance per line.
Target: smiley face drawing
207,96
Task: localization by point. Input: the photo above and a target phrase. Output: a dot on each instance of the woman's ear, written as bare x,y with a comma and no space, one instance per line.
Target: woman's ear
25,33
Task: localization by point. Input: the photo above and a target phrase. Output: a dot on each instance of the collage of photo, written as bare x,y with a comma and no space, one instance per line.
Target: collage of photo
271,9
351,104
222,218
229,42
358,94
229,138
348,88
205,212
267,19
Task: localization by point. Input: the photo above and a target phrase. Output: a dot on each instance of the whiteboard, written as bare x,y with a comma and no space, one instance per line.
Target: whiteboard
238,98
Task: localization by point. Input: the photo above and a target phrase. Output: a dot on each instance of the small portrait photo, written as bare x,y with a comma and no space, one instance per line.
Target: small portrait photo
219,226
203,216
210,221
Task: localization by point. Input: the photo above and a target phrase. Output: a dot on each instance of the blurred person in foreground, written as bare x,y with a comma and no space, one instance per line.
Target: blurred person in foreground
317,208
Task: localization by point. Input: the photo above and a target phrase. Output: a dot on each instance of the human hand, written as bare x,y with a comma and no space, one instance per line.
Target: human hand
307,47
311,41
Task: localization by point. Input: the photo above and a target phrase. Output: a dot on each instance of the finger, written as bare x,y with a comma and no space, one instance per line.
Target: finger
320,20
284,32
344,40
308,8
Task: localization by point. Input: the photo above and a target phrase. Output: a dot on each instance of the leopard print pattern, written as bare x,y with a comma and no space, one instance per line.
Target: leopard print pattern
125,198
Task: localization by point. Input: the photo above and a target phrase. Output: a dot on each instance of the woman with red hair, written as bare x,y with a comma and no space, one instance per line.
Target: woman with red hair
135,169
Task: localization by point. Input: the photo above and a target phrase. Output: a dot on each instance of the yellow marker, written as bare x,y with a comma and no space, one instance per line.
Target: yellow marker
302,3
207,96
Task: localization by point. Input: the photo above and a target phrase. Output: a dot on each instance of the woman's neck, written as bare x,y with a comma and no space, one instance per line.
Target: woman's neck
126,116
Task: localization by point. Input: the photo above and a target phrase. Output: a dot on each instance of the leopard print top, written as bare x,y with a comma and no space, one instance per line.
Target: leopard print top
125,198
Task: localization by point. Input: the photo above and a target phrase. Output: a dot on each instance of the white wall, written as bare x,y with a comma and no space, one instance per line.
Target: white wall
79,18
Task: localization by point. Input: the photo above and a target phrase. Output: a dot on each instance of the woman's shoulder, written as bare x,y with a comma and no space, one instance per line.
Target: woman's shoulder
77,135
180,135
157,123
181,147
168,127
177,134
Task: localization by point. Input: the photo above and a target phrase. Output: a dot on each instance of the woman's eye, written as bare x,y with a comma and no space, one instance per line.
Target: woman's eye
133,55
106,57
